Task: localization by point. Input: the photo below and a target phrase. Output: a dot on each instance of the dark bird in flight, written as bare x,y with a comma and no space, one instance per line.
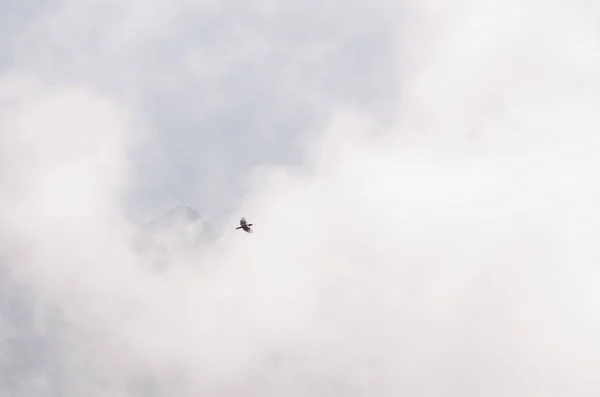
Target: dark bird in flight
245,225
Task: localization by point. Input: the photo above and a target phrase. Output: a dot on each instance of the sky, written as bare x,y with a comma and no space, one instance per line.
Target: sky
421,176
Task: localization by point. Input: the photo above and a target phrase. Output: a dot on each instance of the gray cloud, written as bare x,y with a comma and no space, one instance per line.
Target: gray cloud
433,235
215,80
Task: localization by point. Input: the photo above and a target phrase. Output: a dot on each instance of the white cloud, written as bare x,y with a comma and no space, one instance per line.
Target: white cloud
452,253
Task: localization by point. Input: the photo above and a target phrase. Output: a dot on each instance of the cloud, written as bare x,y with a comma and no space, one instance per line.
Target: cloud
214,78
449,251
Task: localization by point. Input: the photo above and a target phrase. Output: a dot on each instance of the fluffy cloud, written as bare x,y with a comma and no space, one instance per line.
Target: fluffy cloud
442,248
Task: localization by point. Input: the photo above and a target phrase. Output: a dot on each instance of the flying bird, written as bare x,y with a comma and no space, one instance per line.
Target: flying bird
245,225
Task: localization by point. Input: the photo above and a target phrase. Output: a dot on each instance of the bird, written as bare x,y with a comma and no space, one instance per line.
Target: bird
245,225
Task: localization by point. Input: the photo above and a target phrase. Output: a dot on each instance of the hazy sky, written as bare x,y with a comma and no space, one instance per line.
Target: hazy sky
422,176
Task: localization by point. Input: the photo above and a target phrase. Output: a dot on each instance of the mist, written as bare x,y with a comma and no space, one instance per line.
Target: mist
429,229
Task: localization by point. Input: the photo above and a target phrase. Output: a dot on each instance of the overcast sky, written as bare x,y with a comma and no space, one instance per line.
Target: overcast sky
422,176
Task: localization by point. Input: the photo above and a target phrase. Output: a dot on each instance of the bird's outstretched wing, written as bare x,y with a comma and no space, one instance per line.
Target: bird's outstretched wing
243,221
